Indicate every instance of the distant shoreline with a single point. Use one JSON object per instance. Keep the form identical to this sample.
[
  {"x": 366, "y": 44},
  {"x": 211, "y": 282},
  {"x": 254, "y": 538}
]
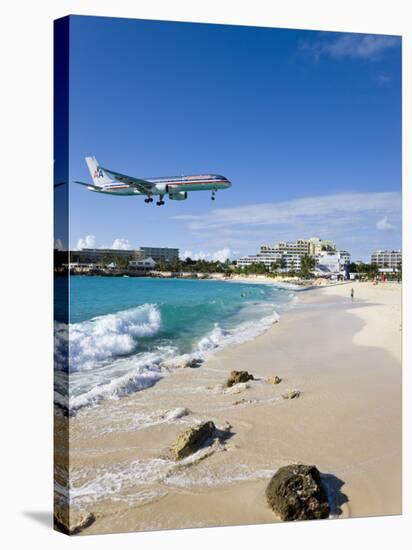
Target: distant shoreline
[{"x": 293, "y": 282}]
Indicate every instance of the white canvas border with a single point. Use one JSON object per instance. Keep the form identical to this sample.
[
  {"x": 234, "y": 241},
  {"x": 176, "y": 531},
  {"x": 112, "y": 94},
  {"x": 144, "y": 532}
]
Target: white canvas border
[{"x": 26, "y": 295}]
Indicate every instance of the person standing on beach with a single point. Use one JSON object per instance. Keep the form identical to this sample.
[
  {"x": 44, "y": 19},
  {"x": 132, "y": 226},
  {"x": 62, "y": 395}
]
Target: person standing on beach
[{"x": 352, "y": 294}]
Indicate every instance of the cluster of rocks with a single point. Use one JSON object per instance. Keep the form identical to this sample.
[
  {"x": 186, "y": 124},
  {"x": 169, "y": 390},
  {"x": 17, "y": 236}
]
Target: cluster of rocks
[
  {"x": 238, "y": 379},
  {"x": 295, "y": 492}
]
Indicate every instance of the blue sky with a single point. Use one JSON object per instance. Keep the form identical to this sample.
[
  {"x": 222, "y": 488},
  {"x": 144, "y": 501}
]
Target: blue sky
[{"x": 307, "y": 126}]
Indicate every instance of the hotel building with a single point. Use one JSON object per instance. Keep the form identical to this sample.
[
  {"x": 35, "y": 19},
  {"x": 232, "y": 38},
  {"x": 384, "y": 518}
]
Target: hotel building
[
  {"x": 288, "y": 254},
  {"x": 386, "y": 258},
  {"x": 98, "y": 255}
]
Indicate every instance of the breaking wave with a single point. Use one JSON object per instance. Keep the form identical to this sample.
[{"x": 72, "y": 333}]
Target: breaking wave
[
  {"x": 106, "y": 360},
  {"x": 105, "y": 337}
]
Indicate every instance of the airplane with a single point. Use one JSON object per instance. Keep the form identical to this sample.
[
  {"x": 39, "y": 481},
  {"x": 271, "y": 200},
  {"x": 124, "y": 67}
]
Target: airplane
[{"x": 177, "y": 187}]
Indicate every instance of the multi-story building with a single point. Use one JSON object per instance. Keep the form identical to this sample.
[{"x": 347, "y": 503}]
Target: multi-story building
[
  {"x": 387, "y": 258},
  {"x": 332, "y": 261},
  {"x": 159, "y": 254},
  {"x": 267, "y": 258},
  {"x": 288, "y": 254},
  {"x": 99, "y": 255},
  {"x": 146, "y": 264},
  {"x": 345, "y": 257}
]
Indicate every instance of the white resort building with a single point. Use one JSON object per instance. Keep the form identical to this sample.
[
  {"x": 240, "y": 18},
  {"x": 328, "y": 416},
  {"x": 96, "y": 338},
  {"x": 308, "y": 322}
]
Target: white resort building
[
  {"x": 287, "y": 255},
  {"x": 387, "y": 259},
  {"x": 147, "y": 264},
  {"x": 332, "y": 262}
]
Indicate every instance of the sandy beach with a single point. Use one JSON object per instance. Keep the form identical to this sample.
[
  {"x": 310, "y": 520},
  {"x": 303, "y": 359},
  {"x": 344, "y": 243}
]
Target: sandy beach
[{"x": 344, "y": 358}]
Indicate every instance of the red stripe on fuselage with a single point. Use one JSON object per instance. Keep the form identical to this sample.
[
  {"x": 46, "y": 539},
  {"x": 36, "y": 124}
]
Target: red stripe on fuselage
[{"x": 195, "y": 182}]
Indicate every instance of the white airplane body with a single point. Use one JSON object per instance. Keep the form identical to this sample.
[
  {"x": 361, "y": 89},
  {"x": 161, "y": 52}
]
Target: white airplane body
[{"x": 110, "y": 182}]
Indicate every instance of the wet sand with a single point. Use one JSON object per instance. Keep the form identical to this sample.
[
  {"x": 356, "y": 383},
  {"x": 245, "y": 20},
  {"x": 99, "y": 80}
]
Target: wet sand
[{"x": 344, "y": 358}]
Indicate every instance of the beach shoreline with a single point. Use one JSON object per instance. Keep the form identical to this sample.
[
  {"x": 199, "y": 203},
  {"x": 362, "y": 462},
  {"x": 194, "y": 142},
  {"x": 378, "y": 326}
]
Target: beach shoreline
[{"x": 343, "y": 357}]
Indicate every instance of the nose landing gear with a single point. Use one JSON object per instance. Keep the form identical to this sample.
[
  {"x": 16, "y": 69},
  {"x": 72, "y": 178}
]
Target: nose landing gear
[
  {"x": 213, "y": 197},
  {"x": 148, "y": 199}
]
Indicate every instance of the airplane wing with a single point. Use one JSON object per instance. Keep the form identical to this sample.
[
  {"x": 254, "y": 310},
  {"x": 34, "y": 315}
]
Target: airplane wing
[{"x": 141, "y": 185}]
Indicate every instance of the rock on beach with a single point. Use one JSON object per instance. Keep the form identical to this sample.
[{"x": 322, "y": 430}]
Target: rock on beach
[
  {"x": 238, "y": 376},
  {"x": 295, "y": 493},
  {"x": 192, "y": 439},
  {"x": 72, "y": 520}
]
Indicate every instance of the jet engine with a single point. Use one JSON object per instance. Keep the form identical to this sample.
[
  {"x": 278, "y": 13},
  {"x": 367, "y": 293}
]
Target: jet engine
[{"x": 178, "y": 196}]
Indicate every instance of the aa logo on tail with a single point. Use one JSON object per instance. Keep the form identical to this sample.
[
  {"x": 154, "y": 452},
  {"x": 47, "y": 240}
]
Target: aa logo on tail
[{"x": 98, "y": 173}]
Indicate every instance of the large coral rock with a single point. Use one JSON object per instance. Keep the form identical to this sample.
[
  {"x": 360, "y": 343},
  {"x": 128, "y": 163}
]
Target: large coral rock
[
  {"x": 72, "y": 520},
  {"x": 192, "y": 439},
  {"x": 295, "y": 493},
  {"x": 237, "y": 376}
]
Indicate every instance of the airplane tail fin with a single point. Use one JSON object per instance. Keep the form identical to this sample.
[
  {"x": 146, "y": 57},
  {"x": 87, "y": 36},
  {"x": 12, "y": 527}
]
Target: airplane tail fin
[{"x": 99, "y": 176}]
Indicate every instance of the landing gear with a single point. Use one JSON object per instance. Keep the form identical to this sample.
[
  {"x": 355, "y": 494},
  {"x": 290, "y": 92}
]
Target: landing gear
[
  {"x": 148, "y": 199},
  {"x": 160, "y": 202},
  {"x": 213, "y": 197}
]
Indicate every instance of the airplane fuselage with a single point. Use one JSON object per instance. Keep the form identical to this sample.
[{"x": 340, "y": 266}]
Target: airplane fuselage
[{"x": 168, "y": 185}]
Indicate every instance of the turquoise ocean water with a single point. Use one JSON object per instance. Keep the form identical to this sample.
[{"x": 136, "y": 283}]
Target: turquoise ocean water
[{"x": 127, "y": 333}]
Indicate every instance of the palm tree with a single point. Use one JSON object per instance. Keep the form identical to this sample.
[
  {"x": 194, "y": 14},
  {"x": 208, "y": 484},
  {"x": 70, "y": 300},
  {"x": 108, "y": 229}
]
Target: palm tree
[{"x": 307, "y": 265}]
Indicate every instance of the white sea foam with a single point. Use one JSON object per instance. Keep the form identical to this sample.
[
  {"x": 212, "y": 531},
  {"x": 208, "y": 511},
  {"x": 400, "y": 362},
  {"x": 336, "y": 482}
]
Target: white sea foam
[
  {"x": 247, "y": 330},
  {"x": 117, "y": 379},
  {"x": 205, "y": 476},
  {"x": 127, "y": 480},
  {"x": 97, "y": 349},
  {"x": 108, "y": 336},
  {"x": 130, "y": 481},
  {"x": 124, "y": 419}
]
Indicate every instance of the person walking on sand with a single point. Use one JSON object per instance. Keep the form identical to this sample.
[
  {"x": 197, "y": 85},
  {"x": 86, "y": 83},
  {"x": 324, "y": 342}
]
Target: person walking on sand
[{"x": 352, "y": 294}]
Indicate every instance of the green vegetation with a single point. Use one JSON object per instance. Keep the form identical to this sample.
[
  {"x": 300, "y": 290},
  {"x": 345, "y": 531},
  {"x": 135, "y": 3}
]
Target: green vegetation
[
  {"x": 253, "y": 269},
  {"x": 371, "y": 271},
  {"x": 366, "y": 271},
  {"x": 277, "y": 266},
  {"x": 194, "y": 266},
  {"x": 307, "y": 265}
]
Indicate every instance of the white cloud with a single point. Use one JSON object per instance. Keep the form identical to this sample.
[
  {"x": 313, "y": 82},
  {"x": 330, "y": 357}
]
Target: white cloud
[
  {"x": 347, "y": 218},
  {"x": 383, "y": 224},
  {"x": 121, "y": 244},
  {"x": 355, "y": 46},
  {"x": 222, "y": 255},
  {"x": 89, "y": 241},
  {"x": 339, "y": 209},
  {"x": 201, "y": 255},
  {"x": 218, "y": 256}
]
